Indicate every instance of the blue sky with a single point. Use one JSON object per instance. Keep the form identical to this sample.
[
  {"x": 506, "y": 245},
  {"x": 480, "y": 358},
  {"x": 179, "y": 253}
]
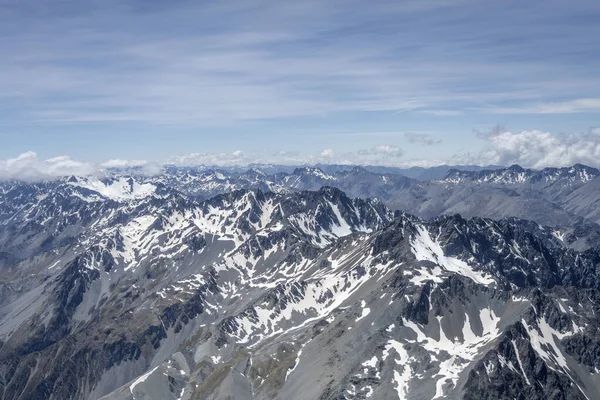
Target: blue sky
[{"x": 385, "y": 82}]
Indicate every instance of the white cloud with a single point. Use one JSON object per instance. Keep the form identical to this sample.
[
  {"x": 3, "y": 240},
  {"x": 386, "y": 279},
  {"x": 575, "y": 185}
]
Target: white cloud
[
  {"x": 117, "y": 163},
  {"x": 377, "y": 155},
  {"x": 537, "y": 149},
  {"x": 214, "y": 159},
  {"x": 327, "y": 153},
  {"x": 140, "y": 167},
  {"x": 384, "y": 155},
  {"x": 394, "y": 151},
  {"x": 532, "y": 148},
  {"x": 28, "y": 166},
  {"x": 382, "y": 150},
  {"x": 286, "y": 153}
]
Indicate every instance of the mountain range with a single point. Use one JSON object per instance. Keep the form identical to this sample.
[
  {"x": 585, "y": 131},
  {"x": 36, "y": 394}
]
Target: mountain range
[
  {"x": 565, "y": 198},
  {"x": 308, "y": 284}
]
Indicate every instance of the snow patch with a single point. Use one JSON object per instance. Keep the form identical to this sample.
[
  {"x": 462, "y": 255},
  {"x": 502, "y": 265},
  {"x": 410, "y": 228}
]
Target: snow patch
[
  {"x": 365, "y": 311},
  {"x": 426, "y": 249},
  {"x": 119, "y": 189}
]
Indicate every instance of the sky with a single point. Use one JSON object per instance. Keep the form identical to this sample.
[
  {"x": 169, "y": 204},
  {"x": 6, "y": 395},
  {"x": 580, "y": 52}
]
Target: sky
[{"x": 227, "y": 82}]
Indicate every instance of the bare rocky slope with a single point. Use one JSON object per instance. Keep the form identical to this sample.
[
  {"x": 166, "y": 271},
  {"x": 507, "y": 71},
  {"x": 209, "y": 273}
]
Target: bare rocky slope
[{"x": 126, "y": 288}]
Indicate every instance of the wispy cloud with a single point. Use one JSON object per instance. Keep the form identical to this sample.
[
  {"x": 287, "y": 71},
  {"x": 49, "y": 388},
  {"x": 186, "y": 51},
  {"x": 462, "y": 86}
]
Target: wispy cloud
[
  {"x": 190, "y": 63},
  {"x": 591, "y": 105},
  {"x": 420, "y": 138},
  {"x": 377, "y": 155},
  {"x": 442, "y": 113},
  {"x": 384, "y": 151}
]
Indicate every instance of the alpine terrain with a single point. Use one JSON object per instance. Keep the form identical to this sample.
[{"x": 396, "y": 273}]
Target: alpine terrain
[{"x": 200, "y": 283}]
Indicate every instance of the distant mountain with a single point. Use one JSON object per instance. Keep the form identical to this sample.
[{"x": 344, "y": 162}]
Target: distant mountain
[
  {"x": 125, "y": 288},
  {"x": 432, "y": 173},
  {"x": 417, "y": 173},
  {"x": 517, "y": 175},
  {"x": 552, "y": 196},
  {"x": 358, "y": 181}
]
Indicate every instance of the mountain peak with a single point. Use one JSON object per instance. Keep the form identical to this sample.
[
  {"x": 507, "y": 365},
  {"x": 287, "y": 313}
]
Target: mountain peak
[
  {"x": 359, "y": 170},
  {"x": 256, "y": 171},
  {"x": 516, "y": 168},
  {"x": 313, "y": 172}
]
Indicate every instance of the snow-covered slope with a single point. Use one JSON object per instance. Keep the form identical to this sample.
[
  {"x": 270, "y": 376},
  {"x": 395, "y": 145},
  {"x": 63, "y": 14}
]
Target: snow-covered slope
[
  {"x": 118, "y": 188},
  {"x": 551, "y": 196},
  {"x": 154, "y": 294}
]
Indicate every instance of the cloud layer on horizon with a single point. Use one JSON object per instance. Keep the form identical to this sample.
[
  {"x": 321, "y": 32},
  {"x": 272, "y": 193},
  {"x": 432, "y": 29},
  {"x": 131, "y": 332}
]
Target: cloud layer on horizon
[
  {"x": 377, "y": 155},
  {"x": 530, "y": 149},
  {"x": 29, "y": 167},
  {"x": 537, "y": 149}
]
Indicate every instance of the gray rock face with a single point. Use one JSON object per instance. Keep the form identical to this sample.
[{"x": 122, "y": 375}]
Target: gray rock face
[
  {"x": 564, "y": 198},
  {"x": 130, "y": 289}
]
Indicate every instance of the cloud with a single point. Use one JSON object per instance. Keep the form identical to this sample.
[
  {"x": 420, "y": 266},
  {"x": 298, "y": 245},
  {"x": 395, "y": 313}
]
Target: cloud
[
  {"x": 530, "y": 148},
  {"x": 237, "y": 158},
  {"x": 327, "y": 153},
  {"x": 420, "y": 138},
  {"x": 494, "y": 131},
  {"x": 442, "y": 113},
  {"x": 382, "y": 150},
  {"x": 109, "y": 64},
  {"x": 393, "y": 151},
  {"x": 589, "y": 105},
  {"x": 537, "y": 149},
  {"x": 138, "y": 167},
  {"x": 286, "y": 153},
  {"x": 28, "y": 166},
  {"x": 377, "y": 155},
  {"x": 117, "y": 163}
]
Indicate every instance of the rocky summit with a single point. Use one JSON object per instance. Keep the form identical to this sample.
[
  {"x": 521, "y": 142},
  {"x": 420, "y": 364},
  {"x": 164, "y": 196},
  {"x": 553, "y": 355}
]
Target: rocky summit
[{"x": 203, "y": 284}]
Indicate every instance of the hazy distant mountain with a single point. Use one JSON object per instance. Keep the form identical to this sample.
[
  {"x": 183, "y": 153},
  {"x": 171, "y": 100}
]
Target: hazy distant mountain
[
  {"x": 552, "y": 196},
  {"x": 430, "y": 173},
  {"x": 418, "y": 173}
]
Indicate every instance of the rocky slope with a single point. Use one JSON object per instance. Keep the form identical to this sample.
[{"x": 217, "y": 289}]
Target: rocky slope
[
  {"x": 120, "y": 289},
  {"x": 553, "y": 196}
]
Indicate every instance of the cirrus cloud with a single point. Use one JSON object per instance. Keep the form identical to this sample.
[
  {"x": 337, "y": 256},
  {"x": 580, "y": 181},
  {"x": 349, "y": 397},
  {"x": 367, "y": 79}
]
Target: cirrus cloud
[{"x": 587, "y": 105}]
